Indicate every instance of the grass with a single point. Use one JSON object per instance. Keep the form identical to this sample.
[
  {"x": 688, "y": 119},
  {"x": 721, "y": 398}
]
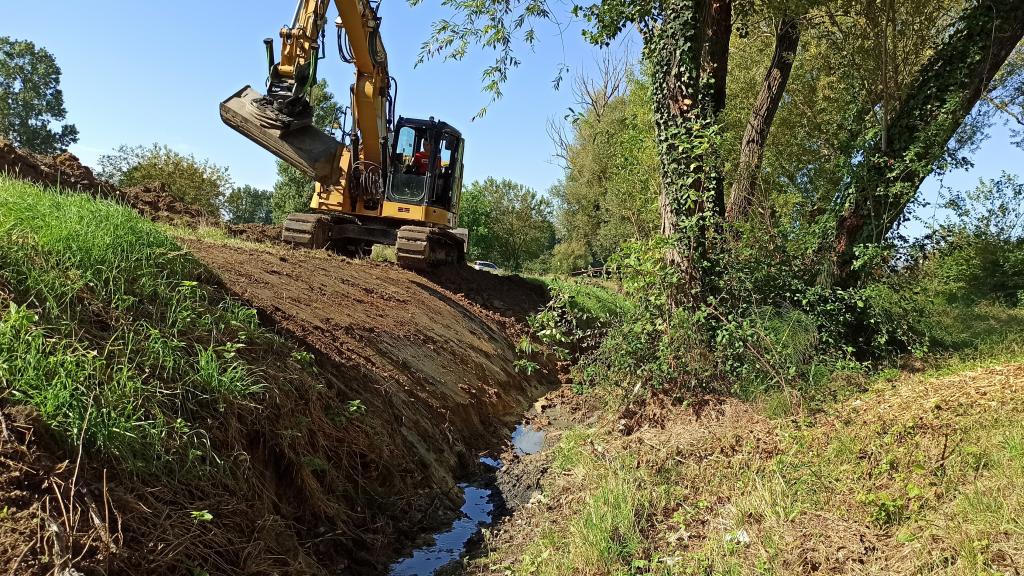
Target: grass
[
  {"x": 383, "y": 253},
  {"x": 108, "y": 329},
  {"x": 920, "y": 475}
]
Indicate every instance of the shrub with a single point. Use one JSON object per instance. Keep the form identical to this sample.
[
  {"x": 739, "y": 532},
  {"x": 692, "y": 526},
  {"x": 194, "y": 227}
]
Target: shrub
[{"x": 197, "y": 182}]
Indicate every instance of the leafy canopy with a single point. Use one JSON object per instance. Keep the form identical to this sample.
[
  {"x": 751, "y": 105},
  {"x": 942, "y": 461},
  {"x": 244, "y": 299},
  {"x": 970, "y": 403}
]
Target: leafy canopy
[
  {"x": 249, "y": 205},
  {"x": 31, "y": 101},
  {"x": 509, "y": 224}
]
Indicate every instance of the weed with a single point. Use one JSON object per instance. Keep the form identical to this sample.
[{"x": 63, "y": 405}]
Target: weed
[
  {"x": 355, "y": 407},
  {"x": 201, "y": 515},
  {"x": 383, "y": 253}
]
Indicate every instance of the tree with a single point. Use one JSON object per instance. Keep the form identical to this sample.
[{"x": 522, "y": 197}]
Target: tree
[
  {"x": 249, "y": 205},
  {"x": 31, "y": 101},
  {"x": 978, "y": 252},
  {"x": 610, "y": 192},
  {"x": 755, "y": 137},
  {"x": 197, "y": 182},
  {"x": 944, "y": 93},
  {"x": 509, "y": 223},
  {"x": 294, "y": 190},
  {"x": 475, "y": 214}
]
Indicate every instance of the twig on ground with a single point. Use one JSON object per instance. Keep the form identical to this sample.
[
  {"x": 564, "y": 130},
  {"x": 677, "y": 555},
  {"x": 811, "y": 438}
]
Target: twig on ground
[{"x": 17, "y": 561}]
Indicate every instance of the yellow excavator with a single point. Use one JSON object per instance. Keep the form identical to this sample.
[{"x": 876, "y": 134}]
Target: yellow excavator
[{"x": 393, "y": 181}]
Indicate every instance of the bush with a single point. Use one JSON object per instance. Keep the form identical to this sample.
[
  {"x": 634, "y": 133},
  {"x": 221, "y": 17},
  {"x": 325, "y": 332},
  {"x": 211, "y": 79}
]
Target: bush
[
  {"x": 762, "y": 330},
  {"x": 197, "y": 182},
  {"x": 978, "y": 253}
]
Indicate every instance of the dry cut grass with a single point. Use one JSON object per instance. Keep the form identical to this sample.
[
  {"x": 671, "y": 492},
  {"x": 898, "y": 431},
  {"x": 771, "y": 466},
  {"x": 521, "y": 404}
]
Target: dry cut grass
[{"x": 921, "y": 475}]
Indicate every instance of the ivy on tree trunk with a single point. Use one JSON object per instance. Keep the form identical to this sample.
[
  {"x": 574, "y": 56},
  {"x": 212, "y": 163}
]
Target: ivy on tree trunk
[
  {"x": 688, "y": 50},
  {"x": 947, "y": 89}
]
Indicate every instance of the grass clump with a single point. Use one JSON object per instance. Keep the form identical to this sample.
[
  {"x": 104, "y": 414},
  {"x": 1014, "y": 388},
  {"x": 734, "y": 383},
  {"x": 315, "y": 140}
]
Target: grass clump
[
  {"x": 603, "y": 532},
  {"x": 109, "y": 329}
]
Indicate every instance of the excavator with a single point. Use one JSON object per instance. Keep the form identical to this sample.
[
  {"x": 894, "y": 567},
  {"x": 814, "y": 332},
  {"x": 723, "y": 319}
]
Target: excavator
[{"x": 391, "y": 181}]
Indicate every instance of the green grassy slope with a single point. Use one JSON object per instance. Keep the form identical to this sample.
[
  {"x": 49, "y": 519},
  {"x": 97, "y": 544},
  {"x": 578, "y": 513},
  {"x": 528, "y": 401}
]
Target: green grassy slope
[{"x": 107, "y": 329}]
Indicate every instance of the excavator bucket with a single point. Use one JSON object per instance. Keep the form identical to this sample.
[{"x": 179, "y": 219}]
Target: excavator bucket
[{"x": 303, "y": 146}]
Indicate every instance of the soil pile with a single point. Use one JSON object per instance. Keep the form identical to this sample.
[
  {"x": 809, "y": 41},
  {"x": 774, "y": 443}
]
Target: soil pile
[
  {"x": 259, "y": 233},
  {"x": 153, "y": 201},
  {"x": 433, "y": 368}
]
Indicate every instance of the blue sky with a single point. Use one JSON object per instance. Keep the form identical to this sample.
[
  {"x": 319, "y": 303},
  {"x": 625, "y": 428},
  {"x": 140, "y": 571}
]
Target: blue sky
[{"x": 143, "y": 72}]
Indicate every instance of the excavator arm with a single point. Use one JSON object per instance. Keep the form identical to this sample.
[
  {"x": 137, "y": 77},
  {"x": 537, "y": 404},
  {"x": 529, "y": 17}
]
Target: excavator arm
[{"x": 282, "y": 120}]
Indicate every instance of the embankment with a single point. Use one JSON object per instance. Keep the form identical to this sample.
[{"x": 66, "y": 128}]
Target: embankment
[{"x": 307, "y": 414}]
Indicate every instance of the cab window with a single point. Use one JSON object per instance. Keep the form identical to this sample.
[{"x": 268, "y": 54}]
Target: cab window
[
  {"x": 409, "y": 180},
  {"x": 449, "y": 152}
]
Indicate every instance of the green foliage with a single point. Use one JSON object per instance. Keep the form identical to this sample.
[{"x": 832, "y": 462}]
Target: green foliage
[
  {"x": 249, "y": 205},
  {"x": 978, "y": 252},
  {"x": 31, "y": 100},
  {"x": 201, "y": 515},
  {"x": 292, "y": 192},
  {"x": 509, "y": 224},
  {"x": 610, "y": 192},
  {"x": 293, "y": 189},
  {"x": 495, "y": 26},
  {"x": 107, "y": 329},
  {"x": 763, "y": 329},
  {"x": 197, "y": 182}
]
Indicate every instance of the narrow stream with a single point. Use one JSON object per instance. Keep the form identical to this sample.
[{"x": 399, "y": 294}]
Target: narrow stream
[{"x": 477, "y": 513}]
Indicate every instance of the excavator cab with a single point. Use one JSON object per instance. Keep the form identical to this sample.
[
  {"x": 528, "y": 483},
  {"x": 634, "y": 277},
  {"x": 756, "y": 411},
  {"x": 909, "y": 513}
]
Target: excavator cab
[{"x": 426, "y": 164}]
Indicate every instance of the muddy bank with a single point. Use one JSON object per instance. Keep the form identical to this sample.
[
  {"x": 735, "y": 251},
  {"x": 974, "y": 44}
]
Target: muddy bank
[
  {"x": 434, "y": 369},
  {"x": 383, "y": 391}
]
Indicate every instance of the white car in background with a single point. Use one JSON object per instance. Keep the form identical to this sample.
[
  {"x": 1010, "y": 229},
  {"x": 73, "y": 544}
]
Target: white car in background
[{"x": 486, "y": 266}]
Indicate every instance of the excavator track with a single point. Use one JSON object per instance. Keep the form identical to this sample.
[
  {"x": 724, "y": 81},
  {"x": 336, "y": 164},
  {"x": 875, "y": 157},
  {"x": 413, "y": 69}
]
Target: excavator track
[
  {"x": 307, "y": 230},
  {"x": 422, "y": 248}
]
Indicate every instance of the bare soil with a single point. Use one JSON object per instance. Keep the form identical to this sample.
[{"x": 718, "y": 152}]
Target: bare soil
[{"x": 428, "y": 359}]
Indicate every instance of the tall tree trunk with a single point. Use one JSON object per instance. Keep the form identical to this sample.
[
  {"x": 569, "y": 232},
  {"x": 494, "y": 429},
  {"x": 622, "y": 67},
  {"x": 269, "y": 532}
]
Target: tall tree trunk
[
  {"x": 755, "y": 138},
  {"x": 689, "y": 50},
  {"x": 949, "y": 85}
]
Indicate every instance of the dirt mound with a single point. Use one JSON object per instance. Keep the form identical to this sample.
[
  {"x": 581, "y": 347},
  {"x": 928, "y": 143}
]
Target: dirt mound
[
  {"x": 433, "y": 368},
  {"x": 510, "y": 295},
  {"x": 259, "y": 233},
  {"x": 65, "y": 170},
  {"x": 156, "y": 202}
]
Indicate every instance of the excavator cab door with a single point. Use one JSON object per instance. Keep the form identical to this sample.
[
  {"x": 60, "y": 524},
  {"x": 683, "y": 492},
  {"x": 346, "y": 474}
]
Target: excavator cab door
[{"x": 426, "y": 164}]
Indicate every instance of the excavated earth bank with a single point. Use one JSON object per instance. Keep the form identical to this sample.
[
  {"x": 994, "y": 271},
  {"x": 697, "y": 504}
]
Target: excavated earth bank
[{"x": 429, "y": 360}]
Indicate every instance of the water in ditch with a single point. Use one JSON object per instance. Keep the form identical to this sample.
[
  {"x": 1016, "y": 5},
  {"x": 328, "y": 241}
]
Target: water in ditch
[{"x": 477, "y": 512}]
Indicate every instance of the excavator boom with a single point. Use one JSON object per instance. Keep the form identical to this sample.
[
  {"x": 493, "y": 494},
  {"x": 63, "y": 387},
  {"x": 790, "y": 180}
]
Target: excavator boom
[
  {"x": 391, "y": 181},
  {"x": 281, "y": 121}
]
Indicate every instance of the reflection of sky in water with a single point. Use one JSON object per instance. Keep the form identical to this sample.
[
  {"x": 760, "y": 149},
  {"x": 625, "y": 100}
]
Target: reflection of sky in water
[
  {"x": 451, "y": 544},
  {"x": 527, "y": 439},
  {"x": 476, "y": 512}
]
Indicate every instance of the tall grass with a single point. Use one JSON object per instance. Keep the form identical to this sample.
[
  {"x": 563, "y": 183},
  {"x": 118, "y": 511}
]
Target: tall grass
[{"x": 108, "y": 329}]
